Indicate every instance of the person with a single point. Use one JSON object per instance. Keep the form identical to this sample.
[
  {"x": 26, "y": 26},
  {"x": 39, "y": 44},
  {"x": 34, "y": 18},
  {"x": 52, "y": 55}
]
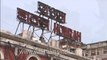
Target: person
[{"x": 42, "y": 39}]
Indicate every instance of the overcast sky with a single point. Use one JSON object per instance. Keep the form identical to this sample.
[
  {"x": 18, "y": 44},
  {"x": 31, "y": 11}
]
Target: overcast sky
[{"x": 87, "y": 16}]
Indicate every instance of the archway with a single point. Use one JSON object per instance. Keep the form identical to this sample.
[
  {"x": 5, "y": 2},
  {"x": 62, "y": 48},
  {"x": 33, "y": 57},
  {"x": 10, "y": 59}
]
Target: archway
[{"x": 33, "y": 58}]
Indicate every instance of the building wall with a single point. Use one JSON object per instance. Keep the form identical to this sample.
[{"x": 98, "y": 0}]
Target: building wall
[{"x": 9, "y": 53}]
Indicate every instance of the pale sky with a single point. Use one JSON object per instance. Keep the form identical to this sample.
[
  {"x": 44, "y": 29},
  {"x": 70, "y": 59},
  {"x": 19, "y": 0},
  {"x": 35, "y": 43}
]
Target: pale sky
[{"x": 87, "y": 16}]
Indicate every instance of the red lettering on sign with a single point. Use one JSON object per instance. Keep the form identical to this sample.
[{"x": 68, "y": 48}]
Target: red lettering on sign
[
  {"x": 32, "y": 19},
  {"x": 67, "y": 32}
]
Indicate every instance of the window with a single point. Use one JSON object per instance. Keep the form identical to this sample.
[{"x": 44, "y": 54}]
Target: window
[
  {"x": 72, "y": 50},
  {"x": 98, "y": 52},
  {"x": 105, "y": 51},
  {"x": 86, "y": 54},
  {"x": 93, "y": 52}
]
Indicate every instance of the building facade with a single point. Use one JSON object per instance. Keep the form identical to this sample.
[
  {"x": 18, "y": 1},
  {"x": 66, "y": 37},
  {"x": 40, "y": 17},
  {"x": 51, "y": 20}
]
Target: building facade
[
  {"x": 15, "y": 47},
  {"x": 96, "y": 51}
]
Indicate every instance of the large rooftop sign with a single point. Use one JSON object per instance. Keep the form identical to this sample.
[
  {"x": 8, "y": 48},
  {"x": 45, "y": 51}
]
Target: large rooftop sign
[
  {"x": 32, "y": 19},
  {"x": 40, "y": 22},
  {"x": 51, "y": 12}
]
